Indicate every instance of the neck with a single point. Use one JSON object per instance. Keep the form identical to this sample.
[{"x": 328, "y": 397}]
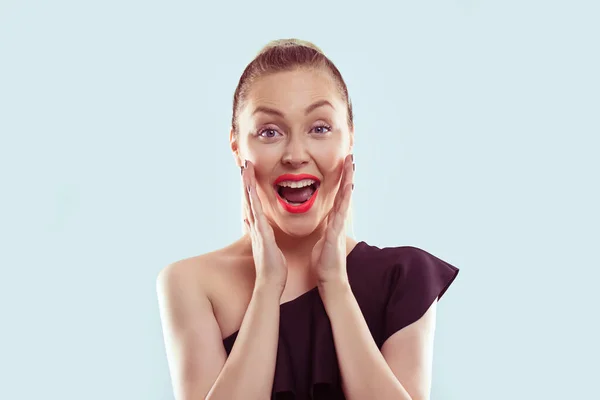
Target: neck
[{"x": 298, "y": 249}]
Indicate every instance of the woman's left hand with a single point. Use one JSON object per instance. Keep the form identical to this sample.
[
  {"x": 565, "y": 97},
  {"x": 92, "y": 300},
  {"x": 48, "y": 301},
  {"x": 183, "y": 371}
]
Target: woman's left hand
[{"x": 328, "y": 258}]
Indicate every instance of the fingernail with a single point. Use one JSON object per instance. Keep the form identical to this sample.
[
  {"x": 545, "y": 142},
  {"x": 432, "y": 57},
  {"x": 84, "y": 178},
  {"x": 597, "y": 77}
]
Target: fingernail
[
  {"x": 353, "y": 167},
  {"x": 241, "y": 170},
  {"x": 245, "y": 163},
  {"x": 352, "y": 157},
  {"x": 353, "y": 186},
  {"x": 248, "y": 188}
]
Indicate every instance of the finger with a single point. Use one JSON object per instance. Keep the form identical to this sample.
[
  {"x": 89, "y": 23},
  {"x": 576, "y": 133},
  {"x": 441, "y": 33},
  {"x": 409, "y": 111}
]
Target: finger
[
  {"x": 247, "y": 206},
  {"x": 347, "y": 189},
  {"x": 340, "y": 212},
  {"x": 347, "y": 170},
  {"x": 261, "y": 225},
  {"x": 345, "y": 204},
  {"x": 255, "y": 204},
  {"x": 330, "y": 215},
  {"x": 248, "y": 227},
  {"x": 331, "y": 218}
]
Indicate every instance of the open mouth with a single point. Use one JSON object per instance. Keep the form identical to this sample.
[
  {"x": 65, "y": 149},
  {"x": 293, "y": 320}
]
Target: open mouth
[{"x": 297, "y": 193}]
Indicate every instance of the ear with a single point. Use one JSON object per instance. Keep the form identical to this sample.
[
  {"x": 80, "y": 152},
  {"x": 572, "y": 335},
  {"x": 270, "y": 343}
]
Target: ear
[{"x": 235, "y": 149}]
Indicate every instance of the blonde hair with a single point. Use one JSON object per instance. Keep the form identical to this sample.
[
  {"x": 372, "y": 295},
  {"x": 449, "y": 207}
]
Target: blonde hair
[
  {"x": 292, "y": 42},
  {"x": 284, "y": 55}
]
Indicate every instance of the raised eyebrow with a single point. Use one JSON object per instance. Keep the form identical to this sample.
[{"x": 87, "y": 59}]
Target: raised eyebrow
[{"x": 308, "y": 110}]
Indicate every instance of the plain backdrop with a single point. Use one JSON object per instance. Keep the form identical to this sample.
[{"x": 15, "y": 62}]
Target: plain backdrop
[{"x": 477, "y": 126}]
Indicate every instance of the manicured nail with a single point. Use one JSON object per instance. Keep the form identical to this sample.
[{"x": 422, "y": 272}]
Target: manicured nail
[
  {"x": 241, "y": 170},
  {"x": 353, "y": 167},
  {"x": 352, "y": 157},
  {"x": 245, "y": 163},
  {"x": 353, "y": 186}
]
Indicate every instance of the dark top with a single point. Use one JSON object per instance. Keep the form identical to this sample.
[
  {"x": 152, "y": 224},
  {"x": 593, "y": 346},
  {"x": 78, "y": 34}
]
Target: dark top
[{"x": 393, "y": 286}]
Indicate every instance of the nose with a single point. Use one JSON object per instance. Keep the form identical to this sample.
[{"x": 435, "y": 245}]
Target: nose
[{"x": 295, "y": 153}]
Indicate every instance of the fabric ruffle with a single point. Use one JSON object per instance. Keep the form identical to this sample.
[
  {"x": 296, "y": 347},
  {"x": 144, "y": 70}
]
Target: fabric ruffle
[{"x": 418, "y": 278}]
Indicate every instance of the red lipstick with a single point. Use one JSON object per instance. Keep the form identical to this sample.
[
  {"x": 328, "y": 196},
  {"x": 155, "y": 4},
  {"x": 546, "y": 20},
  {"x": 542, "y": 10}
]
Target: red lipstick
[{"x": 300, "y": 208}]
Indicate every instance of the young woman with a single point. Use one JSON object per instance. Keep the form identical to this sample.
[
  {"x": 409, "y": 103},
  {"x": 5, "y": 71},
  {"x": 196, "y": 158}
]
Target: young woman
[{"x": 295, "y": 309}]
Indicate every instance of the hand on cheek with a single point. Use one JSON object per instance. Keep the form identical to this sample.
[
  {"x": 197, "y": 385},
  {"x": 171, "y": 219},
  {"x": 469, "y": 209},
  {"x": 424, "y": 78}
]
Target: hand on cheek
[{"x": 328, "y": 258}]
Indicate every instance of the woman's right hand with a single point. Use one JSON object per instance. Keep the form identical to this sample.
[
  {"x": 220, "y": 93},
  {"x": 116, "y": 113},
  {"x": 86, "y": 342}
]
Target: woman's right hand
[{"x": 269, "y": 261}]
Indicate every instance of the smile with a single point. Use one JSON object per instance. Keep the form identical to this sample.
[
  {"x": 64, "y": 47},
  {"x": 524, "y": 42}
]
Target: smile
[{"x": 297, "y": 193}]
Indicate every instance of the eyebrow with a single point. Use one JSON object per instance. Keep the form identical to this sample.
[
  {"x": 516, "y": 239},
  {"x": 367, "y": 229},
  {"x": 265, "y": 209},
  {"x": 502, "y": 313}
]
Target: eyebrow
[{"x": 308, "y": 110}]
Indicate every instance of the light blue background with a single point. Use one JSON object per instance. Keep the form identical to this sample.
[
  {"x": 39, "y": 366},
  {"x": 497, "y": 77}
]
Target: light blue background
[{"x": 477, "y": 128}]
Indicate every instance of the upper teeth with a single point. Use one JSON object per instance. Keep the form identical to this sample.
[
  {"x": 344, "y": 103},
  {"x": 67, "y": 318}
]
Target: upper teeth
[{"x": 297, "y": 184}]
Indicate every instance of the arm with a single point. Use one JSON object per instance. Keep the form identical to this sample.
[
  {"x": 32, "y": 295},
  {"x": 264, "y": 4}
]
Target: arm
[
  {"x": 197, "y": 359},
  {"x": 367, "y": 372},
  {"x": 250, "y": 368}
]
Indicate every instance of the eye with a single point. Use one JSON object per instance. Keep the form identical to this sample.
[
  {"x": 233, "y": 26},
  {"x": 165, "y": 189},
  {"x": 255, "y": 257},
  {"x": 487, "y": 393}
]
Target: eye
[
  {"x": 268, "y": 133},
  {"x": 322, "y": 127}
]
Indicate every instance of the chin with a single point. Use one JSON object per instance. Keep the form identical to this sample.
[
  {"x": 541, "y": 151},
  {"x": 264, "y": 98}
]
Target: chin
[{"x": 300, "y": 227}]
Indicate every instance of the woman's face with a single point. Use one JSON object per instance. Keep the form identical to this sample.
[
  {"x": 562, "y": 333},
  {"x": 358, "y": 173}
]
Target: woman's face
[{"x": 294, "y": 123}]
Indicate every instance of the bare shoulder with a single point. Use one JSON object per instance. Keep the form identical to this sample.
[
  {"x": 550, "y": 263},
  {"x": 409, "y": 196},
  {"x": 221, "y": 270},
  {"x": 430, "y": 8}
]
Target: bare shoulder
[
  {"x": 208, "y": 271},
  {"x": 223, "y": 277},
  {"x": 193, "y": 271},
  {"x": 181, "y": 288},
  {"x": 190, "y": 292}
]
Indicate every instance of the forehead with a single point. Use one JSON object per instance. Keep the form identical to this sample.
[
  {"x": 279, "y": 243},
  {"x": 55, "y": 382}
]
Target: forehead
[{"x": 292, "y": 91}]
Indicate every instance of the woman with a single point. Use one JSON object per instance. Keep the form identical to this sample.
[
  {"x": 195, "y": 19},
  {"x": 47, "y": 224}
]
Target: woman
[{"x": 295, "y": 308}]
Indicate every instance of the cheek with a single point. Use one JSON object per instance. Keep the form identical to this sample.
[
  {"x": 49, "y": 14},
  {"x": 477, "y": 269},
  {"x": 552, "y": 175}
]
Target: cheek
[
  {"x": 264, "y": 163},
  {"x": 263, "y": 158},
  {"x": 331, "y": 169},
  {"x": 329, "y": 157},
  {"x": 261, "y": 153}
]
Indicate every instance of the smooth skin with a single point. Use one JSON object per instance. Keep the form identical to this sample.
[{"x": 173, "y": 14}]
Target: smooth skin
[{"x": 205, "y": 299}]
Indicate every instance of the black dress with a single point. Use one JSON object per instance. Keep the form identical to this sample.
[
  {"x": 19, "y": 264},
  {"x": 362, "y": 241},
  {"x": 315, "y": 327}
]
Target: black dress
[{"x": 394, "y": 287}]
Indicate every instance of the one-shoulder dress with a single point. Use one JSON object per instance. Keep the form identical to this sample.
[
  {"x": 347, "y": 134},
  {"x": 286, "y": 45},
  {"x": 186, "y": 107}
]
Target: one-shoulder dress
[{"x": 394, "y": 287}]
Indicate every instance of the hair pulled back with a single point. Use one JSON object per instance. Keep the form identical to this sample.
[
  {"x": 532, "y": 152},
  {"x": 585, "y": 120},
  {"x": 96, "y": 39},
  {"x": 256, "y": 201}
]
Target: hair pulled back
[{"x": 286, "y": 55}]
